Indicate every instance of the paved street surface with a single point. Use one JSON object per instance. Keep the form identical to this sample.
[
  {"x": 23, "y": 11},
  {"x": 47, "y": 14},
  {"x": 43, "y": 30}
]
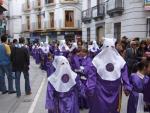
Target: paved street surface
[{"x": 36, "y": 102}]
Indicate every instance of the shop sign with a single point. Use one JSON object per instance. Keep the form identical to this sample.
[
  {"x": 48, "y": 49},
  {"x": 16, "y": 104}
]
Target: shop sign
[{"x": 146, "y": 4}]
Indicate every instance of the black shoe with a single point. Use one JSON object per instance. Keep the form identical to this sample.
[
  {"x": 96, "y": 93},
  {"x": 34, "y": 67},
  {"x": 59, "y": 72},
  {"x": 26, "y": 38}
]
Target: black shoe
[
  {"x": 4, "y": 92},
  {"x": 11, "y": 92},
  {"x": 18, "y": 96},
  {"x": 29, "y": 93}
]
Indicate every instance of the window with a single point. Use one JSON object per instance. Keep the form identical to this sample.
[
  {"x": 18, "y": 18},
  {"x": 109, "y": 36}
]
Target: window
[
  {"x": 117, "y": 30},
  {"x": 148, "y": 27},
  {"x": 28, "y": 22},
  {"x": 88, "y": 35},
  {"x": 69, "y": 18},
  {"x": 68, "y": 1},
  {"x": 100, "y": 1},
  {"x": 39, "y": 2},
  {"x": 28, "y": 4},
  {"x": 39, "y": 21},
  {"x": 100, "y": 31},
  {"x": 89, "y": 4},
  {"x": 49, "y": 1},
  {"x": 51, "y": 19}
]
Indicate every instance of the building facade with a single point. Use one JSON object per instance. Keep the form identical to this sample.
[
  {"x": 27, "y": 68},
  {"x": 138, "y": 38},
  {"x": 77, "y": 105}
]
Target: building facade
[
  {"x": 3, "y": 17},
  {"x": 15, "y": 18},
  {"x": 114, "y": 18},
  {"x": 47, "y": 20}
]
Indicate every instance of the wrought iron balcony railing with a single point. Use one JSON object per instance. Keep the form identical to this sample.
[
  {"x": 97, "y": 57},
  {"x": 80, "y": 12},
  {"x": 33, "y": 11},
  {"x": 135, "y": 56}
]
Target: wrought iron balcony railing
[
  {"x": 115, "y": 7},
  {"x": 87, "y": 15},
  {"x": 98, "y": 11}
]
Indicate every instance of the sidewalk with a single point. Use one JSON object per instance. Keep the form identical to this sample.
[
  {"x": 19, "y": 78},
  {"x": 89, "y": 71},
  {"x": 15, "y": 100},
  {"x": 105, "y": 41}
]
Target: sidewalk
[{"x": 11, "y": 104}]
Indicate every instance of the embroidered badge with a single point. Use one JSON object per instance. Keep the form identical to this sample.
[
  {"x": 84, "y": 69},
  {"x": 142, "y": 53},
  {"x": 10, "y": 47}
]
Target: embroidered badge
[
  {"x": 65, "y": 78},
  {"x": 109, "y": 67}
]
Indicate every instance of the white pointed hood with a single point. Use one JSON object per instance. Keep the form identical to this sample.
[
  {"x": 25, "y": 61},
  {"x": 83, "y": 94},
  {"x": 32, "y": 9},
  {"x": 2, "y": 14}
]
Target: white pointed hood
[
  {"x": 63, "y": 79},
  {"x": 94, "y": 47},
  {"x": 63, "y": 46},
  {"x": 109, "y": 62}
]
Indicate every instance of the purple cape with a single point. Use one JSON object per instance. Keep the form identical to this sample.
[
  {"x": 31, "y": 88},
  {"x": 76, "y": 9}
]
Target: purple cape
[
  {"x": 57, "y": 102},
  {"x": 104, "y": 95}
]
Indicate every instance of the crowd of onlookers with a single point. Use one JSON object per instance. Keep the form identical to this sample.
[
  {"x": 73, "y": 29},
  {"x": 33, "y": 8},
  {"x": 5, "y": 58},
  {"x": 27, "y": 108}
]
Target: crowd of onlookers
[
  {"x": 14, "y": 59},
  {"x": 133, "y": 51}
]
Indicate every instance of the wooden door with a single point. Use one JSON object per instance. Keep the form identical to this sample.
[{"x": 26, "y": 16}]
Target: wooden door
[{"x": 69, "y": 18}]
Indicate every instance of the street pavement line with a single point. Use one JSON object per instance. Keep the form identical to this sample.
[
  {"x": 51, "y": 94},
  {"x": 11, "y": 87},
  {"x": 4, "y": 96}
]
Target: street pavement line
[{"x": 31, "y": 110}]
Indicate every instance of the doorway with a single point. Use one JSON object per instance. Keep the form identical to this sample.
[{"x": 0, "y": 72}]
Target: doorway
[{"x": 117, "y": 30}]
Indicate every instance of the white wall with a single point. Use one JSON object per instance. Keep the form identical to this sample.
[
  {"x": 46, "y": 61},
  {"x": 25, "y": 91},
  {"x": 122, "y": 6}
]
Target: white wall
[
  {"x": 15, "y": 21},
  {"x": 133, "y": 21},
  {"x": 59, "y": 12}
]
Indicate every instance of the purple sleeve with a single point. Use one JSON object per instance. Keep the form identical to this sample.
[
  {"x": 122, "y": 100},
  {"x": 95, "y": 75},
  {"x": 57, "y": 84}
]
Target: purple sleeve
[
  {"x": 91, "y": 79},
  {"x": 49, "y": 98},
  {"x": 125, "y": 78},
  {"x": 80, "y": 86},
  {"x": 77, "y": 62}
]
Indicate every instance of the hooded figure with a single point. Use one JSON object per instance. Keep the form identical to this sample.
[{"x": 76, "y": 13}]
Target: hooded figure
[
  {"x": 45, "y": 48},
  {"x": 44, "y": 55},
  {"x": 63, "y": 48},
  {"x": 73, "y": 47},
  {"x": 63, "y": 88},
  {"x": 104, "y": 89},
  {"x": 94, "y": 49}
]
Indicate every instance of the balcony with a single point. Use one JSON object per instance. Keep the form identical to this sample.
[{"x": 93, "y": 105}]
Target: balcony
[
  {"x": 47, "y": 4},
  {"x": 37, "y": 4},
  {"x": 115, "y": 7},
  {"x": 49, "y": 26},
  {"x": 87, "y": 15},
  {"x": 26, "y": 28},
  {"x": 26, "y": 7},
  {"x": 67, "y": 26},
  {"x": 69, "y": 1},
  {"x": 37, "y": 26},
  {"x": 98, "y": 11}
]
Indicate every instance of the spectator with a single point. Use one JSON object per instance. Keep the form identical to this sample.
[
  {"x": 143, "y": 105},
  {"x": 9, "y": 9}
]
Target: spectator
[
  {"x": 5, "y": 67},
  {"x": 20, "y": 61},
  {"x": 119, "y": 48},
  {"x": 141, "y": 51},
  {"x": 131, "y": 55}
]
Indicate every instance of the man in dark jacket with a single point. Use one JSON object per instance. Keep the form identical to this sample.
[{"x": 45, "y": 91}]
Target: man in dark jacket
[{"x": 20, "y": 63}]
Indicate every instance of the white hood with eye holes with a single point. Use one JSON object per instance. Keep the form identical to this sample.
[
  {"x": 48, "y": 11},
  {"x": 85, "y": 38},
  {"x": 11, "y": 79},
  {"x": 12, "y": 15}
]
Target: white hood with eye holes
[
  {"x": 94, "y": 47},
  {"x": 63, "y": 79},
  {"x": 109, "y": 62}
]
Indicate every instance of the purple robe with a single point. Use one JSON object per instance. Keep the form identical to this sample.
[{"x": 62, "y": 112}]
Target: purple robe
[
  {"x": 93, "y": 54},
  {"x": 85, "y": 62},
  {"x": 37, "y": 56},
  {"x": 57, "y": 102},
  {"x": 104, "y": 95},
  {"x": 56, "y": 52},
  {"x": 50, "y": 68},
  {"x": 138, "y": 87},
  {"x": 147, "y": 92},
  {"x": 75, "y": 62},
  {"x": 64, "y": 53},
  {"x": 34, "y": 53},
  {"x": 45, "y": 61}
]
